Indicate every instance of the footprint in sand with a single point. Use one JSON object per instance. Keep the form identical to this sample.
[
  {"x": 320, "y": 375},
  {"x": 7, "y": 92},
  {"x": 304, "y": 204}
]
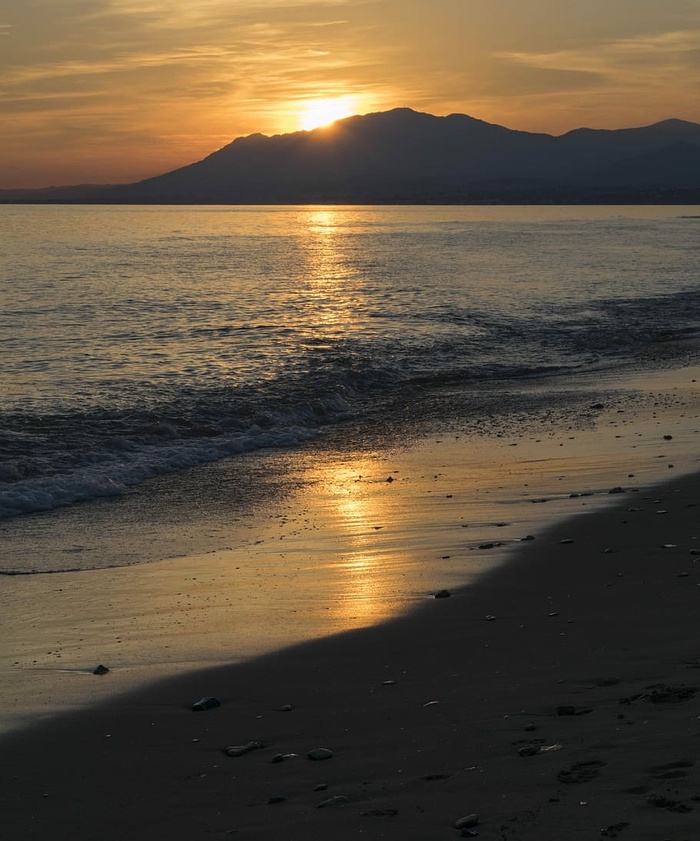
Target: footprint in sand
[
  {"x": 581, "y": 772},
  {"x": 671, "y": 770}
]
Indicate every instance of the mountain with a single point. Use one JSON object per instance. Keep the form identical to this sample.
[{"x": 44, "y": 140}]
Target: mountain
[{"x": 404, "y": 156}]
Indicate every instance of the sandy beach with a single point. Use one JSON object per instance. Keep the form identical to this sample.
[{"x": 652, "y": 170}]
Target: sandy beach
[{"x": 551, "y": 695}]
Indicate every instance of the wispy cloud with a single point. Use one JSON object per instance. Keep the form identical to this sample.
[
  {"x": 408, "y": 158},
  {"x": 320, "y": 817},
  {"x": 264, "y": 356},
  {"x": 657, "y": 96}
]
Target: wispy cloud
[{"x": 620, "y": 57}]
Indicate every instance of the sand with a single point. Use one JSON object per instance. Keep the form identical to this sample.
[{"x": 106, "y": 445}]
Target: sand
[{"x": 578, "y": 646}]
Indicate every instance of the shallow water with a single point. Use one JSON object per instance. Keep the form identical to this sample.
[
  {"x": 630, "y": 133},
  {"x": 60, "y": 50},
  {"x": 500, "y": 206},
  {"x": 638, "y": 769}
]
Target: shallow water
[{"x": 139, "y": 342}]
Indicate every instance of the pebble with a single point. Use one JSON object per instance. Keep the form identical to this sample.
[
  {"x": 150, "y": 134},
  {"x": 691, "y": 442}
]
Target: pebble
[
  {"x": 100, "y": 670},
  {"x": 467, "y": 822},
  {"x": 318, "y": 754},
  {"x": 529, "y": 750},
  {"x": 527, "y": 537},
  {"x": 338, "y": 800},
  {"x": 209, "y": 702},
  {"x": 321, "y": 787},
  {"x": 443, "y": 594},
  {"x": 616, "y": 490},
  {"x": 489, "y": 617},
  {"x": 239, "y": 750},
  {"x": 285, "y": 708}
]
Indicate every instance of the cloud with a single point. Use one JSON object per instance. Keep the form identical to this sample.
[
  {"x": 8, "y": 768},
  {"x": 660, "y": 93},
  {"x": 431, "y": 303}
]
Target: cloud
[{"x": 618, "y": 58}]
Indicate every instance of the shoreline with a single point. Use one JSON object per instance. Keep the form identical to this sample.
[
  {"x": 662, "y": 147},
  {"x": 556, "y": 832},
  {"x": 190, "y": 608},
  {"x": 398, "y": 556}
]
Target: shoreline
[
  {"x": 347, "y": 548},
  {"x": 426, "y": 715}
]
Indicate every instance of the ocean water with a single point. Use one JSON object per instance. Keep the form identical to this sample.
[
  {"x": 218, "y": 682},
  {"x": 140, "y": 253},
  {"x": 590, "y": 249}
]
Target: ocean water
[{"x": 137, "y": 342}]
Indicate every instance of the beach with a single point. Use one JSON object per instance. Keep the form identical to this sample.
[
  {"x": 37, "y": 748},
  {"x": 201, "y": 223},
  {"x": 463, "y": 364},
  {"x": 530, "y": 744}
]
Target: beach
[{"x": 550, "y": 695}]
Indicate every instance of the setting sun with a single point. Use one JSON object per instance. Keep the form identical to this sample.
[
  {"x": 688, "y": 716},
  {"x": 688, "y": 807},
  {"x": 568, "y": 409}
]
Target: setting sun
[{"x": 321, "y": 112}]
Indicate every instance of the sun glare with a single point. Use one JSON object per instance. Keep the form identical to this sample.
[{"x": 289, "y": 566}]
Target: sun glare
[{"x": 321, "y": 112}]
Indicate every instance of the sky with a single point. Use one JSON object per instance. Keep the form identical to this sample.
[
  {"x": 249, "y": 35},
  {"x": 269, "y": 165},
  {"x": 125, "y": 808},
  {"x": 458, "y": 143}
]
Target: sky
[{"x": 109, "y": 91}]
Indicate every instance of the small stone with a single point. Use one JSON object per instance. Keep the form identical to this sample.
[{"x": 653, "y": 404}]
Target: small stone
[
  {"x": 529, "y": 750},
  {"x": 668, "y": 437},
  {"x": 467, "y": 822},
  {"x": 616, "y": 490},
  {"x": 239, "y": 750},
  {"x": 566, "y": 540},
  {"x": 338, "y": 800},
  {"x": 443, "y": 594},
  {"x": 390, "y": 479},
  {"x": 100, "y": 670},
  {"x": 285, "y": 708},
  {"x": 209, "y": 702},
  {"x": 489, "y": 617},
  {"x": 530, "y": 728},
  {"x": 527, "y": 537},
  {"x": 388, "y": 682},
  {"x": 317, "y": 754},
  {"x": 278, "y": 757},
  {"x": 321, "y": 787}
]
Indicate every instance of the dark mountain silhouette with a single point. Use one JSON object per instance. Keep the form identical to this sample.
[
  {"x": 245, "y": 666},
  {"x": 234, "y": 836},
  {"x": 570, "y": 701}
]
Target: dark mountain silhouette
[{"x": 403, "y": 156}]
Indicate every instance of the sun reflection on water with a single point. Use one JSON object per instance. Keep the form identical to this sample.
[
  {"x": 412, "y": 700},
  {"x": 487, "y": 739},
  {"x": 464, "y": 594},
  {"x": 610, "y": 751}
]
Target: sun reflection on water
[{"x": 362, "y": 516}]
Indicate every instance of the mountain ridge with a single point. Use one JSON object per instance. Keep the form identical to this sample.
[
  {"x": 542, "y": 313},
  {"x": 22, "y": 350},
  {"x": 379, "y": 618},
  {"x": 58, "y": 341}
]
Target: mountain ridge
[{"x": 407, "y": 156}]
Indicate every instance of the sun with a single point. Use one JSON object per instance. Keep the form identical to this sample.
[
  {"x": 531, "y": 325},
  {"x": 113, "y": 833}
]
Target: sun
[{"x": 321, "y": 112}]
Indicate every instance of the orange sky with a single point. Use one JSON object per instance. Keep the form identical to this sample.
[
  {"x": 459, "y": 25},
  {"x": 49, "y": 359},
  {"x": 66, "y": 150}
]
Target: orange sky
[{"x": 117, "y": 90}]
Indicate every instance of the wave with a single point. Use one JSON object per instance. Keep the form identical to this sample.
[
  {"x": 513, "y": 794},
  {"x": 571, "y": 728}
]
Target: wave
[{"x": 56, "y": 458}]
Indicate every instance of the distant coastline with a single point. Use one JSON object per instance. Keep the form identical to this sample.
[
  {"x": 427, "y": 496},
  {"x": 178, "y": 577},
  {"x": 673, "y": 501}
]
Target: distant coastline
[{"x": 404, "y": 157}]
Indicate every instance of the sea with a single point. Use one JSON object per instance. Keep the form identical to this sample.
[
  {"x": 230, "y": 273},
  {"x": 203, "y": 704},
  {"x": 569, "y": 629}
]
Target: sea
[{"x": 145, "y": 343}]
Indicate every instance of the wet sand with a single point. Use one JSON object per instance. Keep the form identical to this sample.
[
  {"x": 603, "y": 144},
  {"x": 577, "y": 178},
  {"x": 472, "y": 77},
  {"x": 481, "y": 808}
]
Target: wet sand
[{"x": 426, "y": 714}]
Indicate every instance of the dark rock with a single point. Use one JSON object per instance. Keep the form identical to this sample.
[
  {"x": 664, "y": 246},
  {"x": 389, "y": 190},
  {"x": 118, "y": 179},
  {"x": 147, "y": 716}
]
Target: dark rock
[
  {"x": 321, "y": 787},
  {"x": 100, "y": 670},
  {"x": 616, "y": 490},
  {"x": 467, "y": 822},
  {"x": 443, "y": 594},
  {"x": 209, "y": 702},
  {"x": 239, "y": 750},
  {"x": 318, "y": 754},
  {"x": 612, "y": 830},
  {"x": 529, "y": 750},
  {"x": 338, "y": 800}
]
